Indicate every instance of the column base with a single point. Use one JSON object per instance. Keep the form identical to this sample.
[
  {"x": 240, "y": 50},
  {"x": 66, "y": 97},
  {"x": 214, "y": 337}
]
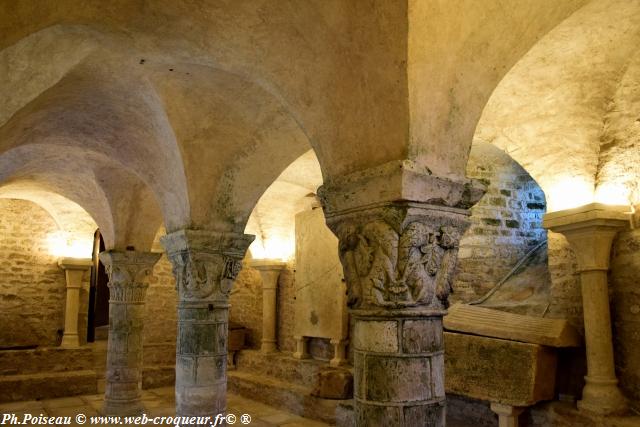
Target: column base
[
  {"x": 602, "y": 397},
  {"x": 70, "y": 341},
  {"x": 302, "y": 348},
  {"x": 507, "y": 414},
  {"x": 268, "y": 346},
  {"x": 339, "y": 353},
  {"x": 122, "y": 407}
]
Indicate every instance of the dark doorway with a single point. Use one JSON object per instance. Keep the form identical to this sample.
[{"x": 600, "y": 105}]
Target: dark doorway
[{"x": 98, "y": 292}]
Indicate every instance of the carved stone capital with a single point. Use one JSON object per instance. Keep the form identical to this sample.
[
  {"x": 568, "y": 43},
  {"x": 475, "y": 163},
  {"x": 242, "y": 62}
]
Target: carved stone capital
[
  {"x": 127, "y": 273},
  {"x": 205, "y": 263},
  {"x": 399, "y": 255}
]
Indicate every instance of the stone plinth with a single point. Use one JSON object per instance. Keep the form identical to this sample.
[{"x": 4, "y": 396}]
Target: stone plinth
[
  {"x": 269, "y": 271},
  {"x": 74, "y": 269},
  {"x": 590, "y": 230},
  {"x": 127, "y": 272}
]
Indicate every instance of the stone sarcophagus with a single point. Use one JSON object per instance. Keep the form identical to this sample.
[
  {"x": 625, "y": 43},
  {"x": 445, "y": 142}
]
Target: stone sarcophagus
[{"x": 508, "y": 359}]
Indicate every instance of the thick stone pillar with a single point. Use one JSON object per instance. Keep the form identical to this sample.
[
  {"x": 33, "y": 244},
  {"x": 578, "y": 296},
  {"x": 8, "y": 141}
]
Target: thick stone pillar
[
  {"x": 127, "y": 272},
  {"x": 74, "y": 270},
  {"x": 270, "y": 272},
  {"x": 205, "y": 264},
  {"x": 590, "y": 231},
  {"x": 398, "y": 258}
]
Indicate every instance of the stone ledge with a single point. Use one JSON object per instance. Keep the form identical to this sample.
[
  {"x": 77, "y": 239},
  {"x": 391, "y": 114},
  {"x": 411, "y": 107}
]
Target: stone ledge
[{"x": 292, "y": 397}]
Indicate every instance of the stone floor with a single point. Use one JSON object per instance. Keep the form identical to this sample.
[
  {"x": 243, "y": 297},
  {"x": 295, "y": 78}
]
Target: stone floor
[{"x": 158, "y": 402}]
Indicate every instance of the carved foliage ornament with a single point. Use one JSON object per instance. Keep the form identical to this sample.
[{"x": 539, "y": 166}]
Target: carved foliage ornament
[
  {"x": 127, "y": 273},
  {"x": 202, "y": 275},
  {"x": 385, "y": 268}
]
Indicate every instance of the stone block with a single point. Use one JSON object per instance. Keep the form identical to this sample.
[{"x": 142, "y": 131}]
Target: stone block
[
  {"x": 397, "y": 379},
  {"x": 376, "y": 336},
  {"x": 500, "y": 324},
  {"x": 422, "y": 336},
  {"x": 425, "y": 415},
  {"x": 334, "y": 384},
  {"x": 320, "y": 298},
  {"x": 210, "y": 369},
  {"x": 509, "y": 372}
]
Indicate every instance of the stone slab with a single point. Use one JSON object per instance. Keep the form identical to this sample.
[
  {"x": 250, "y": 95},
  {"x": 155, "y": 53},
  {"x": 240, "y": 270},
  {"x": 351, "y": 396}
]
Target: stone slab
[
  {"x": 508, "y": 372},
  {"x": 516, "y": 327},
  {"x": 320, "y": 300}
]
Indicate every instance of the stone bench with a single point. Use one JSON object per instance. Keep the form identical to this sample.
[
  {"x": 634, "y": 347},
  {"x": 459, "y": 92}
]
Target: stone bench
[{"x": 507, "y": 359}]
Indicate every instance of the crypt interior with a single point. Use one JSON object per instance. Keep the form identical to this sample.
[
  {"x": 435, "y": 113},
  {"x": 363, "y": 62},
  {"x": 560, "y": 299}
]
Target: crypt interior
[{"x": 347, "y": 212}]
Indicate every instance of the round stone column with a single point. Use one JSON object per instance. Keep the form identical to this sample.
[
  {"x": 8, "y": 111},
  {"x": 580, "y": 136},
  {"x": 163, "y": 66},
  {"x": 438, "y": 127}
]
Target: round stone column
[
  {"x": 590, "y": 231},
  {"x": 270, "y": 272},
  {"x": 205, "y": 264},
  {"x": 74, "y": 270},
  {"x": 398, "y": 260},
  {"x": 399, "y": 367},
  {"x": 127, "y": 290}
]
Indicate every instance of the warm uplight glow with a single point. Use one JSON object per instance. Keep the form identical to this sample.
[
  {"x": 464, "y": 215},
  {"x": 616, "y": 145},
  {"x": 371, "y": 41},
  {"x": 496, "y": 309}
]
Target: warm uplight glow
[
  {"x": 62, "y": 244},
  {"x": 273, "y": 248},
  {"x": 612, "y": 194},
  {"x": 569, "y": 193}
]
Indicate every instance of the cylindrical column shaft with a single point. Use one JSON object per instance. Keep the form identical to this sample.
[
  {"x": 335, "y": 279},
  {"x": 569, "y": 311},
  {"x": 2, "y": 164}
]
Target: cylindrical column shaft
[
  {"x": 124, "y": 358},
  {"x": 74, "y": 269},
  {"x": 70, "y": 338},
  {"x": 399, "y": 369},
  {"x": 269, "y": 342},
  {"x": 205, "y": 264},
  {"x": 601, "y": 393},
  {"x": 201, "y": 358},
  {"x": 270, "y": 272},
  {"x": 127, "y": 291},
  {"x": 597, "y": 325}
]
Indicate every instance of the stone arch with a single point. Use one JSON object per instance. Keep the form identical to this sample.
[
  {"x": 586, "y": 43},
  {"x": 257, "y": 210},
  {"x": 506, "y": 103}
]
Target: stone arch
[
  {"x": 121, "y": 205},
  {"x": 76, "y": 225},
  {"x": 547, "y": 112},
  {"x": 506, "y": 225}
]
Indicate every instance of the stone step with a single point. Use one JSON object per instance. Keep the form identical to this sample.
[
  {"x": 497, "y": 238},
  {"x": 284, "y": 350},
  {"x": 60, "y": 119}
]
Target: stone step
[
  {"x": 280, "y": 366},
  {"x": 15, "y": 388},
  {"x": 281, "y": 394}
]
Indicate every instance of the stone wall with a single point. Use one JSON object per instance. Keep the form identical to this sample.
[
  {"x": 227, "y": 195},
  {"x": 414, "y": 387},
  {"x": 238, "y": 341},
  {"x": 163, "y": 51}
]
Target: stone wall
[
  {"x": 505, "y": 224},
  {"x": 160, "y": 322},
  {"x": 161, "y": 307},
  {"x": 625, "y": 270},
  {"x": 246, "y": 306},
  {"x": 32, "y": 286}
]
